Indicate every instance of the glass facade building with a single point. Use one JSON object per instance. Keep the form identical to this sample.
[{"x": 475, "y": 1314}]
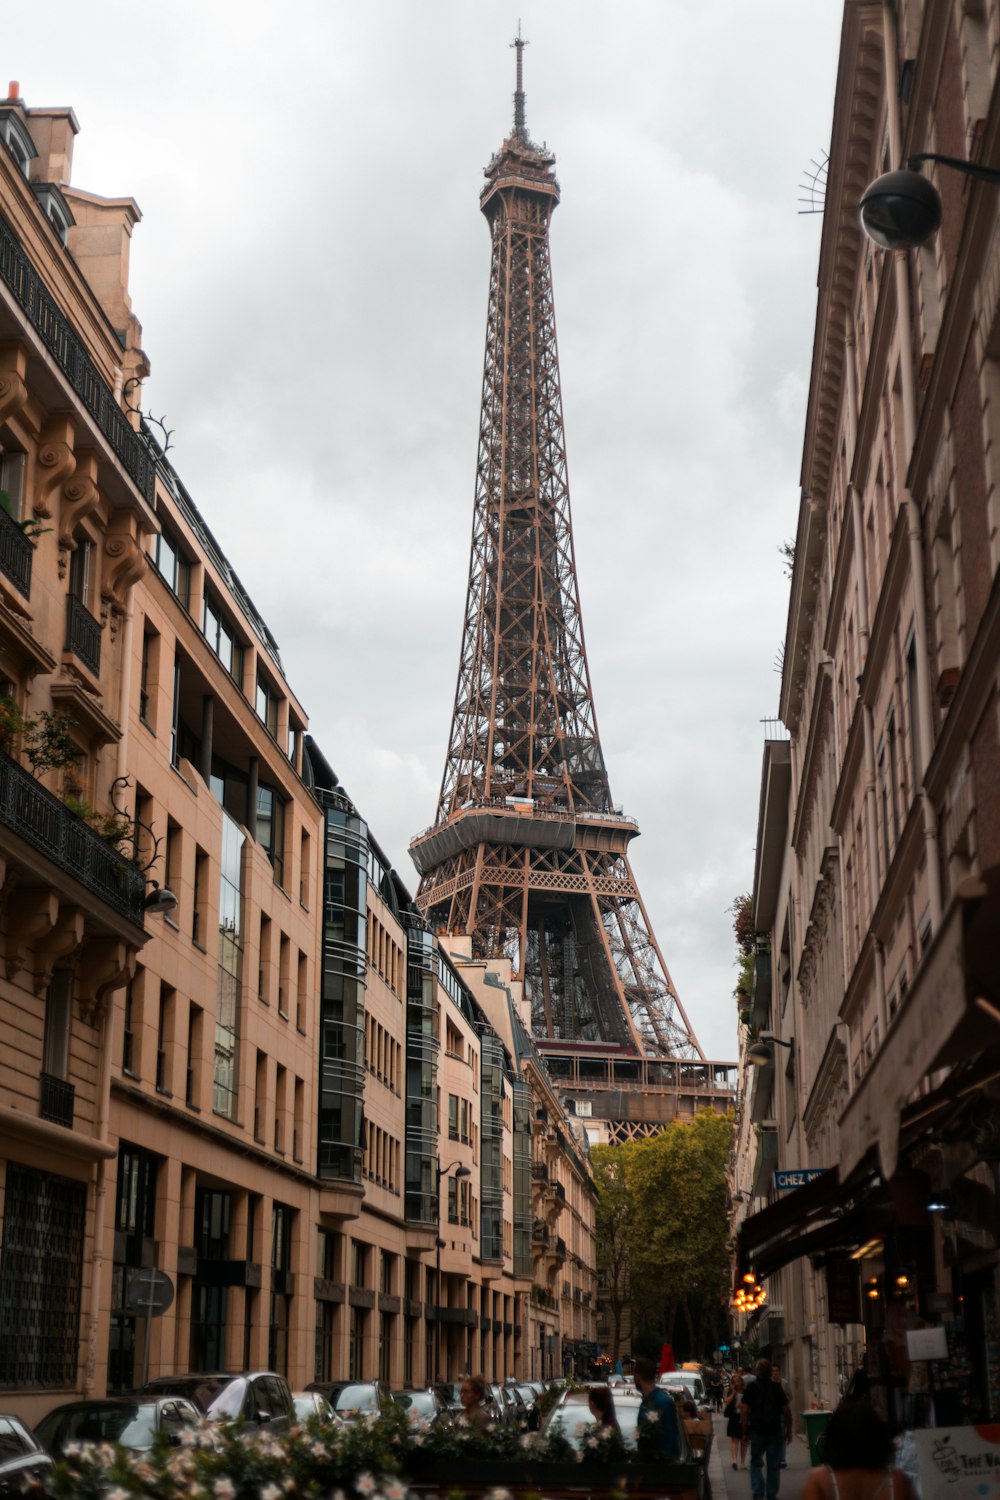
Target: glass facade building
[
  {"x": 341, "y": 1122},
  {"x": 421, "y": 1199}
]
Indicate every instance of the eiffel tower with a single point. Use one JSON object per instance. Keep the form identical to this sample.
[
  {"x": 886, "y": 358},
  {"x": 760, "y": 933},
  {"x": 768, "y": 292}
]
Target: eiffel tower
[{"x": 528, "y": 853}]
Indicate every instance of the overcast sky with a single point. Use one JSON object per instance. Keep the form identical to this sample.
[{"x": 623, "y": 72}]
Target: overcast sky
[{"x": 311, "y": 274}]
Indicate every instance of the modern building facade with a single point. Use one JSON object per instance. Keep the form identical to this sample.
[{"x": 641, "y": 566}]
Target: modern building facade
[
  {"x": 234, "y": 1051},
  {"x": 878, "y": 854}
]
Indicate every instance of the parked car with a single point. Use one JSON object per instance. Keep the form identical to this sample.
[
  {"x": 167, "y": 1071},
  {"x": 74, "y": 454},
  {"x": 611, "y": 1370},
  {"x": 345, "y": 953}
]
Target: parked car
[
  {"x": 686, "y": 1383},
  {"x": 425, "y": 1407},
  {"x": 22, "y": 1458},
  {"x": 131, "y": 1421},
  {"x": 310, "y": 1405},
  {"x": 351, "y": 1399},
  {"x": 529, "y": 1392},
  {"x": 258, "y": 1398}
]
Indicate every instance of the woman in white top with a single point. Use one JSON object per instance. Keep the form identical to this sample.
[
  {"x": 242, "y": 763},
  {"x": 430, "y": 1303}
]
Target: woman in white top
[{"x": 858, "y": 1451}]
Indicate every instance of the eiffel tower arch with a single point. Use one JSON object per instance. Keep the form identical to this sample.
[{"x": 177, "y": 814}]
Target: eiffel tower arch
[{"x": 528, "y": 854}]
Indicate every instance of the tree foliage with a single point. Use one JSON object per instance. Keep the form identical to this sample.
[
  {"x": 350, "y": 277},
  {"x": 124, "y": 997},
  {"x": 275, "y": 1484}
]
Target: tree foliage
[{"x": 661, "y": 1235}]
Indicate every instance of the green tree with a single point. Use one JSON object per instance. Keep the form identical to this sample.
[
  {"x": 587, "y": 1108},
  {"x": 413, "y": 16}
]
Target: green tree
[
  {"x": 745, "y": 936},
  {"x": 614, "y": 1212},
  {"x": 665, "y": 1200}
]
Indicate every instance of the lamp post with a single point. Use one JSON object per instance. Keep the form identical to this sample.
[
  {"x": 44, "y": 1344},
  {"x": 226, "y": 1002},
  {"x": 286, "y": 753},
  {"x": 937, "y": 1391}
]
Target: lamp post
[
  {"x": 462, "y": 1171},
  {"x": 901, "y": 210},
  {"x": 761, "y": 1053}
]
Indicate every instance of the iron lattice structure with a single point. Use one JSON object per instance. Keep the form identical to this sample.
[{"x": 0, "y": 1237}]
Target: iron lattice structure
[{"x": 528, "y": 853}]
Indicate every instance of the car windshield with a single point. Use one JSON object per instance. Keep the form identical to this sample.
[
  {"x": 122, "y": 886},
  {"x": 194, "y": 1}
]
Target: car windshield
[
  {"x": 421, "y": 1402},
  {"x": 679, "y": 1380},
  {"x": 227, "y": 1406},
  {"x": 451, "y": 1391},
  {"x": 356, "y": 1398},
  {"x": 573, "y": 1417}
]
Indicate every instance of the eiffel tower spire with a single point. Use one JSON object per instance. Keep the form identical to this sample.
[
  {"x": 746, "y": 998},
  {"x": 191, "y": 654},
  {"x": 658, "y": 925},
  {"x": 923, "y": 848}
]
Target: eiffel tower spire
[{"x": 528, "y": 853}]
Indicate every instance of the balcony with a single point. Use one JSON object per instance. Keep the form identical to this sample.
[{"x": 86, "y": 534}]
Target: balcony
[
  {"x": 32, "y": 812},
  {"x": 66, "y": 348},
  {"x": 83, "y": 634},
  {"x": 15, "y": 554},
  {"x": 56, "y": 1101}
]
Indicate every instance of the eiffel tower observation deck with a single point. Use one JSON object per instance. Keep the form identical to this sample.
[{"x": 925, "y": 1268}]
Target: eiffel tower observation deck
[{"x": 528, "y": 854}]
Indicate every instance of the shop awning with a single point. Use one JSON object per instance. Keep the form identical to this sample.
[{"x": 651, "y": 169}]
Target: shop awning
[
  {"x": 806, "y": 1221},
  {"x": 939, "y": 1025}
]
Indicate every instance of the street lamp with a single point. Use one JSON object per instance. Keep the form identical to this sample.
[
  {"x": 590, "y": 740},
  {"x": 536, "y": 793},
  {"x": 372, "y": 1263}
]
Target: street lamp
[
  {"x": 761, "y": 1053},
  {"x": 901, "y": 210},
  {"x": 462, "y": 1171}
]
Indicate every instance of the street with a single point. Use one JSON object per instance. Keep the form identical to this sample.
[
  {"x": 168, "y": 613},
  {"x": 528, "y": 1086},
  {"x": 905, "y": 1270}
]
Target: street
[{"x": 728, "y": 1484}]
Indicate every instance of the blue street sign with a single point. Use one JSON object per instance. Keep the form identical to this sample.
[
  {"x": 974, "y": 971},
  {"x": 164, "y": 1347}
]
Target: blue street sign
[{"x": 794, "y": 1177}]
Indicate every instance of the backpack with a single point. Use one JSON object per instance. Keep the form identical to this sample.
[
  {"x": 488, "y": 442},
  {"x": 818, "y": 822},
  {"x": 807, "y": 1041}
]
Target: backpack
[{"x": 765, "y": 1414}]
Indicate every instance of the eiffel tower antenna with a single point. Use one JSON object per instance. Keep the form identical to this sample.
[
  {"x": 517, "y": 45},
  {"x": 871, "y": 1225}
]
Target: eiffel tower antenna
[
  {"x": 519, "y": 43},
  {"x": 528, "y": 854}
]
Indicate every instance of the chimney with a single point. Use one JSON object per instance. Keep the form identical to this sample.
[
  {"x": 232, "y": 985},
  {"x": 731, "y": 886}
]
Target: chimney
[
  {"x": 52, "y": 131},
  {"x": 13, "y": 92}
]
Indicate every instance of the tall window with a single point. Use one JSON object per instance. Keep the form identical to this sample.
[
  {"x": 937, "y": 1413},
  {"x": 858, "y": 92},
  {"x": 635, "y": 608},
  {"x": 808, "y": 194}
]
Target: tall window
[
  {"x": 267, "y": 704},
  {"x": 220, "y": 636},
  {"x": 281, "y": 1264},
  {"x": 230, "y": 968},
  {"x": 172, "y": 566},
  {"x": 148, "y": 678},
  {"x": 41, "y": 1269},
  {"x": 271, "y": 829}
]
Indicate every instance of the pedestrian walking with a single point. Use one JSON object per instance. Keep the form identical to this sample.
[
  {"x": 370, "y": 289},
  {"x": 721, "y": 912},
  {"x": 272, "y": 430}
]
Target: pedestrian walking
[
  {"x": 766, "y": 1418},
  {"x": 657, "y": 1407},
  {"x": 715, "y": 1389},
  {"x": 859, "y": 1450},
  {"x": 738, "y": 1441}
]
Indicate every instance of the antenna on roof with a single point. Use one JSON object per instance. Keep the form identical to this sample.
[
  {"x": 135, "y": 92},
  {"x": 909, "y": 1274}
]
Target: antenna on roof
[
  {"x": 519, "y": 43},
  {"x": 814, "y": 187}
]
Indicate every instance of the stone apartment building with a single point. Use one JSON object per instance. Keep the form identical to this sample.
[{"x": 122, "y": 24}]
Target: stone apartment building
[
  {"x": 876, "y": 1013},
  {"x": 233, "y": 1051}
]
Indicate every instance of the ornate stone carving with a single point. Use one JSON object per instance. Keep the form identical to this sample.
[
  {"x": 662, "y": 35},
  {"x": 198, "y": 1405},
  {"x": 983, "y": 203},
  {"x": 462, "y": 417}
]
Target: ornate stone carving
[
  {"x": 126, "y": 564},
  {"x": 80, "y": 496},
  {"x": 32, "y": 912},
  {"x": 56, "y": 462},
  {"x": 13, "y": 394},
  {"x": 105, "y": 965},
  {"x": 65, "y": 937}
]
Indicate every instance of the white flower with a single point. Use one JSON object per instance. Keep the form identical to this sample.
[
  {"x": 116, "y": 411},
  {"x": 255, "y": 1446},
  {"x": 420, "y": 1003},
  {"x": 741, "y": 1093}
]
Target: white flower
[
  {"x": 591, "y": 1441},
  {"x": 270, "y": 1492},
  {"x": 394, "y": 1490},
  {"x": 365, "y": 1484},
  {"x": 116, "y": 1494},
  {"x": 224, "y": 1489}
]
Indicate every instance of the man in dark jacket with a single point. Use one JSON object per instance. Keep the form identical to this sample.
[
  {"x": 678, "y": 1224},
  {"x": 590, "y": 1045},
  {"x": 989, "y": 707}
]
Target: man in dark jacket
[
  {"x": 657, "y": 1414},
  {"x": 767, "y": 1418}
]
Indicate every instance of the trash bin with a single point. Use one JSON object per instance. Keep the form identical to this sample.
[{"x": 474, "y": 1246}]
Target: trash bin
[{"x": 815, "y": 1428}]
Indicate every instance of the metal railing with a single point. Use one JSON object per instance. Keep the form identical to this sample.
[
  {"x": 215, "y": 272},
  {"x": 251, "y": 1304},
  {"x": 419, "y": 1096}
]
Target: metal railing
[
  {"x": 83, "y": 634},
  {"x": 15, "y": 554},
  {"x": 38, "y": 817},
  {"x": 66, "y": 348},
  {"x": 56, "y": 1101}
]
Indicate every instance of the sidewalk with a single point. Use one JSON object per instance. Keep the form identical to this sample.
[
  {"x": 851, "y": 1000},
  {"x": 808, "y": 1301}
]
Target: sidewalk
[{"x": 730, "y": 1484}]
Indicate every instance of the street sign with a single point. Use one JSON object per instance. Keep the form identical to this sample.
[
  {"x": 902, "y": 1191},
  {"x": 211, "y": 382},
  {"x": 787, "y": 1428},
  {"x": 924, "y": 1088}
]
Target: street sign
[
  {"x": 149, "y": 1293},
  {"x": 795, "y": 1177}
]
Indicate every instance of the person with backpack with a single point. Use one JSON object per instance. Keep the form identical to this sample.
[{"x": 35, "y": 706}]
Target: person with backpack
[{"x": 767, "y": 1419}]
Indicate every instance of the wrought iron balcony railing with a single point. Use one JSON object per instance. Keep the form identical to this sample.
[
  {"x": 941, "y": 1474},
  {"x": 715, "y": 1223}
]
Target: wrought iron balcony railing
[
  {"x": 15, "y": 554},
  {"x": 31, "y": 811},
  {"x": 66, "y": 348},
  {"x": 57, "y": 1100},
  {"x": 83, "y": 634}
]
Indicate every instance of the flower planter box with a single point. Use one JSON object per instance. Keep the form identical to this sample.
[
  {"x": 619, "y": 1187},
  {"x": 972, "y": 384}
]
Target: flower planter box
[{"x": 476, "y": 1477}]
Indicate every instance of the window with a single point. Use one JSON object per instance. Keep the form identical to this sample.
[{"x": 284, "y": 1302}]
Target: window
[
  {"x": 267, "y": 704},
  {"x": 58, "y": 1019},
  {"x": 41, "y": 1269},
  {"x": 81, "y": 570},
  {"x": 55, "y": 208},
  {"x": 199, "y": 928},
  {"x": 220, "y": 636},
  {"x": 172, "y": 566},
  {"x": 192, "y": 1085},
  {"x": 12, "y": 481},
  {"x": 453, "y": 1117},
  {"x": 130, "y": 1052},
  {"x": 148, "y": 676},
  {"x": 271, "y": 829},
  {"x": 15, "y": 136},
  {"x": 175, "y": 714}
]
